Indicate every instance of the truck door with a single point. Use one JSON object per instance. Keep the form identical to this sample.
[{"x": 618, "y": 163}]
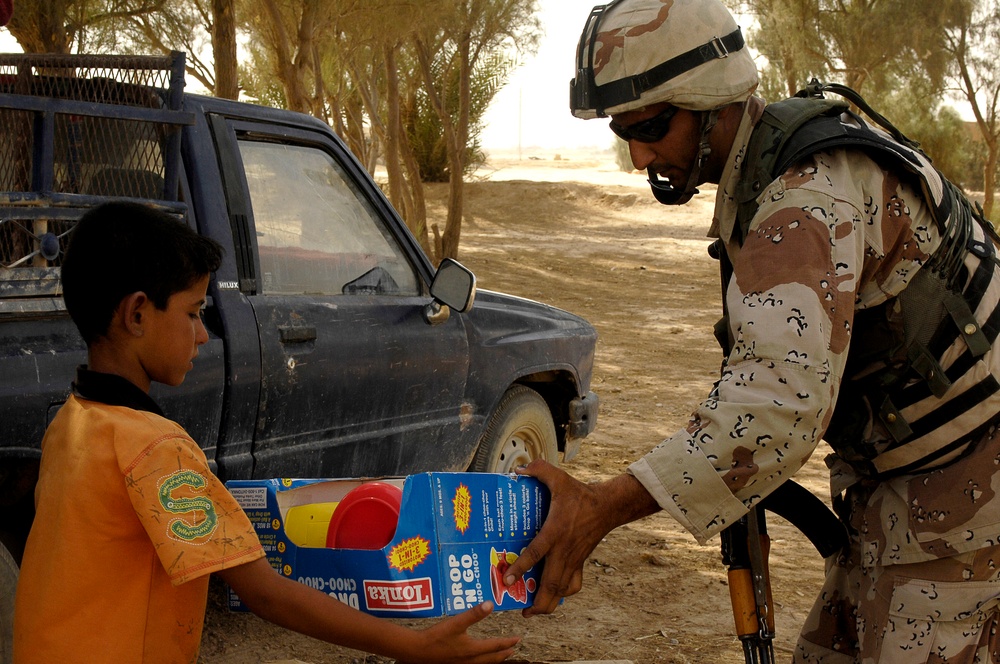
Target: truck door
[{"x": 355, "y": 381}]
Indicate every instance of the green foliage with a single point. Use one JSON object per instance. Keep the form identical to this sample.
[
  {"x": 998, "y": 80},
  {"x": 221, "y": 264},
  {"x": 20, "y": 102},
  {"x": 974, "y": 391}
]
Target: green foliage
[
  {"x": 257, "y": 84},
  {"x": 423, "y": 126},
  {"x": 891, "y": 51},
  {"x": 855, "y": 42},
  {"x": 948, "y": 140},
  {"x": 623, "y": 158},
  {"x": 939, "y": 129}
]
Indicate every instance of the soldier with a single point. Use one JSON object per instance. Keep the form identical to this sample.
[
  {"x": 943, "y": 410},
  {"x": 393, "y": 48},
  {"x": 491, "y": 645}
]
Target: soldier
[{"x": 862, "y": 308}]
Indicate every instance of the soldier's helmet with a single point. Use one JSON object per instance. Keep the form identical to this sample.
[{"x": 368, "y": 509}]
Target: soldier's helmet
[{"x": 634, "y": 53}]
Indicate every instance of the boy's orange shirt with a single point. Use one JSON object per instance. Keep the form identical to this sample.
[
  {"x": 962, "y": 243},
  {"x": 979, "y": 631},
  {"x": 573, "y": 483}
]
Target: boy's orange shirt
[{"x": 129, "y": 524}]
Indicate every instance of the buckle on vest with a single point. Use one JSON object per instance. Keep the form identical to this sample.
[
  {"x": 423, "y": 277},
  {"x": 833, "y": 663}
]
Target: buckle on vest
[
  {"x": 893, "y": 420},
  {"x": 928, "y": 368},
  {"x": 967, "y": 324}
]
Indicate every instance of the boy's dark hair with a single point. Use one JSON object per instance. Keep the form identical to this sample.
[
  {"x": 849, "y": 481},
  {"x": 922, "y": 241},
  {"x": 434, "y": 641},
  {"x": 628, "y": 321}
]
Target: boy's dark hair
[{"x": 117, "y": 249}]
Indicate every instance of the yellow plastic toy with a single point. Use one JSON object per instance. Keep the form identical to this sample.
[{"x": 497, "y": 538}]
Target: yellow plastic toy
[{"x": 307, "y": 525}]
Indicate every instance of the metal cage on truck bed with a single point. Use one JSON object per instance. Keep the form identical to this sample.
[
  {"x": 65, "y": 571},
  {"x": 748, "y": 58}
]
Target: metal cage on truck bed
[{"x": 75, "y": 130}]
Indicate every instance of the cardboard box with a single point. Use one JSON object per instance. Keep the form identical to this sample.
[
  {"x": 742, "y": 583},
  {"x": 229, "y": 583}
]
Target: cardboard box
[{"x": 455, "y": 537}]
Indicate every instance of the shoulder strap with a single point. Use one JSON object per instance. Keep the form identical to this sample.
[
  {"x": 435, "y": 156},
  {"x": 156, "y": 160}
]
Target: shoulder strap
[
  {"x": 795, "y": 128},
  {"x": 816, "y": 89},
  {"x": 779, "y": 123}
]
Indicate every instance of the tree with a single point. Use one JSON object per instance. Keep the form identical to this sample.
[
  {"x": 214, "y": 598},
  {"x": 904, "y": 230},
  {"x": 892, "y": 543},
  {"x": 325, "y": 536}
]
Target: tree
[
  {"x": 182, "y": 25},
  {"x": 286, "y": 34},
  {"x": 62, "y": 26},
  {"x": 470, "y": 32},
  {"x": 423, "y": 124},
  {"x": 356, "y": 73},
  {"x": 378, "y": 76},
  {"x": 381, "y": 71},
  {"x": 902, "y": 70},
  {"x": 855, "y": 42},
  {"x": 224, "y": 49},
  {"x": 137, "y": 26},
  {"x": 783, "y": 36},
  {"x": 935, "y": 125},
  {"x": 359, "y": 73},
  {"x": 972, "y": 40}
]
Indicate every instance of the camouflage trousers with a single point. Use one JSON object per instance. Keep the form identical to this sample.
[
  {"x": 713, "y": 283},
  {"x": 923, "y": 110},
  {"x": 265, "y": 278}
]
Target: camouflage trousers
[{"x": 944, "y": 610}]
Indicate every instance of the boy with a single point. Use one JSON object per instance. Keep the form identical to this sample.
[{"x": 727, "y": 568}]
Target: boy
[{"x": 129, "y": 520}]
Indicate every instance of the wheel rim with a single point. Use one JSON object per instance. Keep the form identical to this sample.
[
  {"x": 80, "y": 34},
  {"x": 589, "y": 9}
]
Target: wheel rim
[{"x": 519, "y": 449}]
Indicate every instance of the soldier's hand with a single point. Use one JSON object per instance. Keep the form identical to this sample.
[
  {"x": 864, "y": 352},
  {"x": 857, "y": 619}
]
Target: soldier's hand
[{"x": 579, "y": 517}]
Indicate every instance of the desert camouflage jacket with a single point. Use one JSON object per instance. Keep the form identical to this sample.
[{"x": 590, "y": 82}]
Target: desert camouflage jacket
[{"x": 833, "y": 235}]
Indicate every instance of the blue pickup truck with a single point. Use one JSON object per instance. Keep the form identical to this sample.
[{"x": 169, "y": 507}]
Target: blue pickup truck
[{"x": 337, "y": 349}]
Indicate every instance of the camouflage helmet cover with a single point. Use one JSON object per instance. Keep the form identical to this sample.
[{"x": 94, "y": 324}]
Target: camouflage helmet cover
[{"x": 634, "y": 53}]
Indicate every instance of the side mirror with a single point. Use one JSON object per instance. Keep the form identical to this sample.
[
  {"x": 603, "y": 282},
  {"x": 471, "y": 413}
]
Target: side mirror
[{"x": 454, "y": 286}]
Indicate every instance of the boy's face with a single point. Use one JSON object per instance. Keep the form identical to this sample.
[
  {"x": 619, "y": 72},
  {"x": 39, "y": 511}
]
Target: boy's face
[{"x": 171, "y": 337}]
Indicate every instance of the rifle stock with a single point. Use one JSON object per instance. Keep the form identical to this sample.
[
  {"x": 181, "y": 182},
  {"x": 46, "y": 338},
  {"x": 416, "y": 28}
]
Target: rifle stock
[
  {"x": 745, "y": 551},
  {"x": 797, "y": 505}
]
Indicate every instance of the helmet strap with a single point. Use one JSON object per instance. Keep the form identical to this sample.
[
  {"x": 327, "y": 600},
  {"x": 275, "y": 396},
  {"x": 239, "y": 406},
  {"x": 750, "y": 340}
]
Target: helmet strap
[{"x": 668, "y": 195}]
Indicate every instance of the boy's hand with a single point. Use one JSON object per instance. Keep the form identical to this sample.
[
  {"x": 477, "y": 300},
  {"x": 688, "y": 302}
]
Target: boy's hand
[{"x": 447, "y": 641}]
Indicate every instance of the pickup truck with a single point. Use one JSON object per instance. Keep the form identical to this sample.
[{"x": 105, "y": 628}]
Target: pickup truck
[{"x": 336, "y": 349}]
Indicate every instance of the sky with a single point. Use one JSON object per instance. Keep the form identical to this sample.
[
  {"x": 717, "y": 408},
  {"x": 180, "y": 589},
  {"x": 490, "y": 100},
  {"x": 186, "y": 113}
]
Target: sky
[{"x": 532, "y": 110}]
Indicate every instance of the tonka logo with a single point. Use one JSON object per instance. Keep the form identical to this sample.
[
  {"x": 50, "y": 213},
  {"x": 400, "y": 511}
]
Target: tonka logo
[{"x": 409, "y": 595}]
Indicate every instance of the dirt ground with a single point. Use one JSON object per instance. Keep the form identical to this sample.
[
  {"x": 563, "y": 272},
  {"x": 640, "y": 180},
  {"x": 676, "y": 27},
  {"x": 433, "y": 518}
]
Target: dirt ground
[{"x": 580, "y": 235}]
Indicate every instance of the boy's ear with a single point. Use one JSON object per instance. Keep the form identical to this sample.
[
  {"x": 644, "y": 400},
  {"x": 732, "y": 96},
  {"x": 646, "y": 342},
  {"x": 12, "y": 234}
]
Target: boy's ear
[{"x": 132, "y": 309}]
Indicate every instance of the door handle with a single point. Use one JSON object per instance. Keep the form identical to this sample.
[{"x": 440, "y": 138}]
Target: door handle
[{"x": 296, "y": 334}]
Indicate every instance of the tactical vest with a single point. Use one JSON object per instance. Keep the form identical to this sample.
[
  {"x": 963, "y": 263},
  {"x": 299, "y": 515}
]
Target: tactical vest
[{"x": 903, "y": 338}]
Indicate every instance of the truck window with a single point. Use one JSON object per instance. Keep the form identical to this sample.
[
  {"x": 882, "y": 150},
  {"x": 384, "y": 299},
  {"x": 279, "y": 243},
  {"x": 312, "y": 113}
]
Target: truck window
[{"x": 316, "y": 232}]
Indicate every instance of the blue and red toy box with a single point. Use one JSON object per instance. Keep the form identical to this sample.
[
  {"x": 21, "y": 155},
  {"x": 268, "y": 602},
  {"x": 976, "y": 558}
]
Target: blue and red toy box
[{"x": 455, "y": 537}]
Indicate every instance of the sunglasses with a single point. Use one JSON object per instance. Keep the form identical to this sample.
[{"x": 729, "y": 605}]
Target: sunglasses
[{"x": 649, "y": 130}]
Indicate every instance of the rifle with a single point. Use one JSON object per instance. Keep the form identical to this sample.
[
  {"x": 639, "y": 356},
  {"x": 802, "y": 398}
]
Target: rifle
[{"x": 745, "y": 550}]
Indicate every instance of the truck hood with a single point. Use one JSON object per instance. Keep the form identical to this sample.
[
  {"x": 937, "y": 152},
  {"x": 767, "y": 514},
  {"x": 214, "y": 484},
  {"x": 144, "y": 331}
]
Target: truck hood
[{"x": 498, "y": 319}]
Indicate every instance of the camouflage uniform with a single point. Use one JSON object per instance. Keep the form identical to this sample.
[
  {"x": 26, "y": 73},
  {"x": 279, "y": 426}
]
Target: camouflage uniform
[{"x": 836, "y": 234}]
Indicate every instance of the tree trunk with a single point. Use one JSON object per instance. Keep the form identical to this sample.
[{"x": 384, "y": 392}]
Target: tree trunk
[
  {"x": 392, "y": 132},
  {"x": 303, "y": 60},
  {"x": 456, "y": 197},
  {"x": 320, "y": 106},
  {"x": 224, "y": 49},
  {"x": 457, "y": 140},
  {"x": 418, "y": 222},
  {"x": 989, "y": 178},
  {"x": 286, "y": 68},
  {"x": 363, "y": 101},
  {"x": 415, "y": 184},
  {"x": 39, "y": 26}
]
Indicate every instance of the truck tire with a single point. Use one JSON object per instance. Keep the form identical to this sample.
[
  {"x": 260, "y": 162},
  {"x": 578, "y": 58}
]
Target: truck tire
[
  {"x": 8, "y": 584},
  {"x": 520, "y": 430}
]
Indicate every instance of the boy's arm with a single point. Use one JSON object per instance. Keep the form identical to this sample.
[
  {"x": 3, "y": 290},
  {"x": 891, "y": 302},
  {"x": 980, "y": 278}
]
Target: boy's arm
[{"x": 303, "y": 609}]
